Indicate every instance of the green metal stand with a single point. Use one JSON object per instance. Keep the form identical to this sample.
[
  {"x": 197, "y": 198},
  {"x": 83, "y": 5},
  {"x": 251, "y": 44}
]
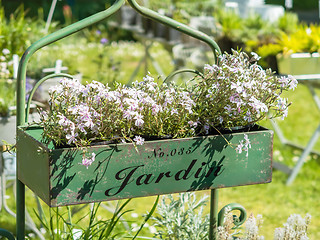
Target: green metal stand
[{"x": 22, "y": 111}]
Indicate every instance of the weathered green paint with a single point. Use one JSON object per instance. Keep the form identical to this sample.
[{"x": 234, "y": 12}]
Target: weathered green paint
[{"x": 158, "y": 167}]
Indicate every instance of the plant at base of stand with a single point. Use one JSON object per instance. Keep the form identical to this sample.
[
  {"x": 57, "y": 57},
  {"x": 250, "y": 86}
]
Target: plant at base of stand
[
  {"x": 181, "y": 218},
  {"x": 61, "y": 224},
  {"x": 294, "y": 229}
]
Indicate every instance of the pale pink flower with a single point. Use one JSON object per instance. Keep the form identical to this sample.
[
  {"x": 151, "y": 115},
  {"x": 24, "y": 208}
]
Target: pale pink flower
[
  {"x": 87, "y": 161},
  {"x": 138, "y": 140},
  {"x": 139, "y": 121}
]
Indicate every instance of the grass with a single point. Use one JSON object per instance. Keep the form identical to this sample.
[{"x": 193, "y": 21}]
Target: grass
[{"x": 275, "y": 201}]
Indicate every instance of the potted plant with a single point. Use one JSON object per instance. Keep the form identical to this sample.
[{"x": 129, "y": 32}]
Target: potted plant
[
  {"x": 157, "y": 138},
  {"x": 297, "y": 53}
]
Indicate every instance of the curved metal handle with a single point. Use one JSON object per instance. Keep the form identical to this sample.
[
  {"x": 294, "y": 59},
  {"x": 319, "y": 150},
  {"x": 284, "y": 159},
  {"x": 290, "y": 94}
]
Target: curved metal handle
[
  {"x": 171, "y": 75},
  {"x": 237, "y": 221},
  {"x": 36, "y": 86},
  {"x": 176, "y": 25}
]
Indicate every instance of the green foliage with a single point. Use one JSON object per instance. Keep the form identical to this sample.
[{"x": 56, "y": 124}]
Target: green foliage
[
  {"x": 288, "y": 23},
  {"x": 231, "y": 24},
  {"x": 59, "y": 224},
  {"x": 16, "y": 35},
  {"x": 69, "y": 223},
  {"x": 305, "y": 39},
  {"x": 18, "y": 32},
  {"x": 80, "y": 8},
  {"x": 7, "y": 96},
  {"x": 182, "y": 218}
]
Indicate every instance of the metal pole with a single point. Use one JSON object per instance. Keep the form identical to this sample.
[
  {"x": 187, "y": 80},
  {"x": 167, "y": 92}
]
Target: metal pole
[
  {"x": 21, "y": 90},
  {"x": 20, "y": 199},
  {"x": 49, "y": 19},
  {"x": 213, "y": 214}
]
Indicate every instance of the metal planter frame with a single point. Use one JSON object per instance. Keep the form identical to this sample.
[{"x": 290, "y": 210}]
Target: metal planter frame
[{"x": 188, "y": 172}]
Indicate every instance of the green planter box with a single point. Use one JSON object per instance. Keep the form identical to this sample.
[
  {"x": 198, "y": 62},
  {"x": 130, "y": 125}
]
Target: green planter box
[
  {"x": 159, "y": 167},
  {"x": 299, "y": 63}
]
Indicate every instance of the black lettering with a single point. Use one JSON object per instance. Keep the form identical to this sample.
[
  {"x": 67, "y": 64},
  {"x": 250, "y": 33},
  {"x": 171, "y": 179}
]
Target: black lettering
[
  {"x": 186, "y": 171},
  {"x": 216, "y": 172},
  {"x": 147, "y": 180},
  {"x": 173, "y": 152},
  {"x": 215, "y": 169},
  {"x": 199, "y": 170},
  {"x": 181, "y": 151},
  {"x": 154, "y": 154},
  {"x": 126, "y": 180},
  {"x": 161, "y": 154},
  {"x": 188, "y": 151}
]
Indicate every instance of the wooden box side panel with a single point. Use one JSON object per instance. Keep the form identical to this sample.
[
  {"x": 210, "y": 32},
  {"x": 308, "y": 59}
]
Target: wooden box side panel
[{"x": 32, "y": 166}]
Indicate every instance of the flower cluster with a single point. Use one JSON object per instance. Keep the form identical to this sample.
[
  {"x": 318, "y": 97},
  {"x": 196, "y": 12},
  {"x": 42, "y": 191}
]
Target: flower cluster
[
  {"x": 237, "y": 92},
  {"x": 230, "y": 232},
  {"x": 234, "y": 92},
  {"x": 87, "y": 113},
  {"x": 244, "y": 145},
  {"x": 296, "y": 227}
]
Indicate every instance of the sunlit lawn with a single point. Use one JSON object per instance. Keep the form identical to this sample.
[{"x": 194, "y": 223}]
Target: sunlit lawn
[{"x": 275, "y": 201}]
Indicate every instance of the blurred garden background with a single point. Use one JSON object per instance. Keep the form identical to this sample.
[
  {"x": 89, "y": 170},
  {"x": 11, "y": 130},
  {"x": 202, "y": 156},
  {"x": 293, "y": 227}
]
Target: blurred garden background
[{"x": 124, "y": 48}]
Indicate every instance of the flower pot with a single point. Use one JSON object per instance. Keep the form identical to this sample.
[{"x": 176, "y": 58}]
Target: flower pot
[
  {"x": 299, "y": 63},
  {"x": 157, "y": 167}
]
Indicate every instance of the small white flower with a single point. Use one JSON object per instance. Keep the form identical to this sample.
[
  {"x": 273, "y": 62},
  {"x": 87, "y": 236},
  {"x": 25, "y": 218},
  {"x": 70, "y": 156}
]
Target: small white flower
[
  {"x": 174, "y": 111},
  {"x": 255, "y": 56},
  {"x": 139, "y": 121},
  {"x": 134, "y": 215},
  {"x": 139, "y": 140},
  {"x": 5, "y": 51},
  {"x": 239, "y": 148}
]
